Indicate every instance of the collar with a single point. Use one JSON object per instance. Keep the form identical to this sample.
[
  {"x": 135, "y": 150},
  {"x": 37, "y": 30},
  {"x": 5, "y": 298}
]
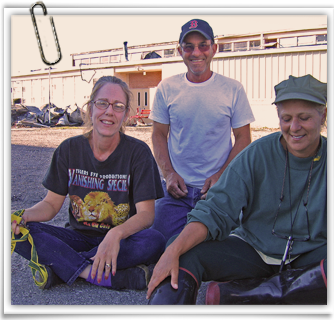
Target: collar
[{"x": 302, "y": 163}]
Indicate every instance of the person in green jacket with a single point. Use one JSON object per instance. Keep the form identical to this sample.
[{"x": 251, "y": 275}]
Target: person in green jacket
[{"x": 262, "y": 230}]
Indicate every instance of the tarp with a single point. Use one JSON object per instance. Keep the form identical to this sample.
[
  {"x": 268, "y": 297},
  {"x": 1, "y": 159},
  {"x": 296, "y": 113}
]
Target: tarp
[{"x": 32, "y": 116}]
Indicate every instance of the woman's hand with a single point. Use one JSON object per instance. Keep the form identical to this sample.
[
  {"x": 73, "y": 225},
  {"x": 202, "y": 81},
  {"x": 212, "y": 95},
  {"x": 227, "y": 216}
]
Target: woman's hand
[
  {"x": 16, "y": 227},
  {"x": 168, "y": 265},
  {"x": 106, "y": 256},
  {"x": 108, "y": 249},
  {"x": 17, "y": 215},
  {"x": 42, "y": 211}
]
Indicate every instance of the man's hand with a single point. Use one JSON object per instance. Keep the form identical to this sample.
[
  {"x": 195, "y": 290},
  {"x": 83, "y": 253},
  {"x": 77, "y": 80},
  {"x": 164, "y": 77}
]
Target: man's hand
[
  {"x": 209, "y": 182},
  {"x": 176, "y": 186}
]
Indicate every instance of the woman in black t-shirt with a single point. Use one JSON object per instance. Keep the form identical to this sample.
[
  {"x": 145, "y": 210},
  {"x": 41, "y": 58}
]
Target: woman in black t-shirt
[{"x": 112, "y": 181}]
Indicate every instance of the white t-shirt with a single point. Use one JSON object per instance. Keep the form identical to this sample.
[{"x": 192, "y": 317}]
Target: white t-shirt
[{"x": 200, "y": 116}]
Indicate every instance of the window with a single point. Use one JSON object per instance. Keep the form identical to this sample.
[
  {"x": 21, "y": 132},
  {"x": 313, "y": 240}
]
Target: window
[
  {"x": 145, "y": 99},
  {"x": 321, "y": 39},
  {"x": 225, "y": 47},
  {"x": 138, "y": 99},
  {"x": 169, "y": 53},
  {"x": 306, "y": 40},
  {"x": 240, "y": 46},
  {"x": 256, "y": 44},
  {"x": 94, "y": 60},
  {"x": 135, "y": 56},
  {"x": 114, "y": 58},
  {"x": 288, "y": 42},
  {"x": 104, "y": 59},
  {"x": 85, "y": 61},
  {"x": 270, "y": 43},
  {"x": 144, "y": 53}
]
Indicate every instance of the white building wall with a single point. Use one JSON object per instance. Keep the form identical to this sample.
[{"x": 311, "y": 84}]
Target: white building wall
[
  {"x": 259, "y": 73},
  {"x": 170, "y": 69}
]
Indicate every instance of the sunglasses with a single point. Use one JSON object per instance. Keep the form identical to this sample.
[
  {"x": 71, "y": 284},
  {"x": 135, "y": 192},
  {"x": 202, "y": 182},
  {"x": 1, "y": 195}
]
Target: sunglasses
[{"x": 189, "y": 47}]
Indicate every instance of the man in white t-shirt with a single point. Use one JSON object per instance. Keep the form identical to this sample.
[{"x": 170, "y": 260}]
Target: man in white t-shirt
[{"x": 193, "y": 116}]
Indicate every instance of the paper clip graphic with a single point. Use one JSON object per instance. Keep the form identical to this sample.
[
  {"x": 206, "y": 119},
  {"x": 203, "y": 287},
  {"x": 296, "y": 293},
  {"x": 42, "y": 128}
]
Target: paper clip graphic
[{"x": 40, "y": 3}]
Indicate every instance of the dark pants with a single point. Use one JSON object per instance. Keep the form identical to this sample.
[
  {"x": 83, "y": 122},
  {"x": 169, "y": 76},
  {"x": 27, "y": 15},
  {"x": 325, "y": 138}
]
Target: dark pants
[
  {"x": 234, "y": 258},
  {"x": 68, "y": 252}
]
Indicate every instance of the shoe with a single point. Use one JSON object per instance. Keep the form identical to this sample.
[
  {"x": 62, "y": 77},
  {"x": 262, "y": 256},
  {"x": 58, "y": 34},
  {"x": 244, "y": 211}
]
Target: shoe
[
  {"x": 295, "y": 287},
  {"x": 51, "y": 281},
  {"x": 186, "y": 294},
  {"x": 136, "y": 278}
]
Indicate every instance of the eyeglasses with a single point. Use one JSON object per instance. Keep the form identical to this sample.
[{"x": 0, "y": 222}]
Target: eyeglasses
[
  {"x": 305, "y": 202},
  {"x": 189, "y": 47},
  {"x": 290, "y": 239},
  {"x": 286, "y": 237},
  {"x": 102, "y": 104}
]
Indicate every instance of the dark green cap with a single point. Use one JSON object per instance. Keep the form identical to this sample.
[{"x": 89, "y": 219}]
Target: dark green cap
[{"x": 303, "y": 88}]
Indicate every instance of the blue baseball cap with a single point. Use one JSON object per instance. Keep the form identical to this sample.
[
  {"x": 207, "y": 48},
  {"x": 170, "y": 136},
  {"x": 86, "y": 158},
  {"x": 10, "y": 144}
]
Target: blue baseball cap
[
  {"x": 302, "y": 88},
  {"x": 197, "y": 25}
]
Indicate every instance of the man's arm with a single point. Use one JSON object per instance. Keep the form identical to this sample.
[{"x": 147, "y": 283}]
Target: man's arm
[
  {"x": 242, "y": 137},
  {"x": 175, "y": 183},
  {"x": 168, "y": 264}
]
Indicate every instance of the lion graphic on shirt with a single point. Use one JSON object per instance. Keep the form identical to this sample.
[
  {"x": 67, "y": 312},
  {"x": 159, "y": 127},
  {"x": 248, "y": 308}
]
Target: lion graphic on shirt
[
  {"x": 98, "y": 207},
  {"x": 77, "y": 207}
]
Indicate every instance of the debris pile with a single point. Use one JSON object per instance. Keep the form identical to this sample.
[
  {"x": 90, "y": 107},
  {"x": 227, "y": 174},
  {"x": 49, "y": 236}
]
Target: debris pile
[{"x": 23, "y": 115}]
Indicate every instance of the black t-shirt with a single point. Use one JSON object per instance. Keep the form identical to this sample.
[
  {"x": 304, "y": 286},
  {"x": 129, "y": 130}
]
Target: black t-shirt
[{"x": 103, "y": 194}]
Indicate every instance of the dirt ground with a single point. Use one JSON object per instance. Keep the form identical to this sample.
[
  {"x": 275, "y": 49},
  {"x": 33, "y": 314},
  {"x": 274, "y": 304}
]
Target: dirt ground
[
  {"x": 31, "y": 152},
  {"x": 32, "y": 149},
  {"x": 52, "y": 137}
]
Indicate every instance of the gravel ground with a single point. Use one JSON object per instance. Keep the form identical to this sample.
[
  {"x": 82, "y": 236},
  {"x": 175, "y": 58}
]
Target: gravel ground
[{"x": 31, "y": 152}]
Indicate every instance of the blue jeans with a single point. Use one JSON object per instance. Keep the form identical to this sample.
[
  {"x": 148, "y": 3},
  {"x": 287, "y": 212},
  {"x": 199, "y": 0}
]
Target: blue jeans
[
  {"x": 171, "y": 213},
  {"x": 68, "y": 252}
]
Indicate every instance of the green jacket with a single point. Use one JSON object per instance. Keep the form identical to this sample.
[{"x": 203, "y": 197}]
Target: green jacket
[{"x": 246, "y": 199}]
